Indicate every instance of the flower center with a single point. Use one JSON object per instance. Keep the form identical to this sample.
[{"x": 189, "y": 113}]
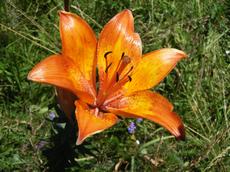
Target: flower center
[{"x": 114, "y": 78}]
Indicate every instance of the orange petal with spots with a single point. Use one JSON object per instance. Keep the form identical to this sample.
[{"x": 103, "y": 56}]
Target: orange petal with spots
[
  {"x": 118, "y": 37},
  {"x": 90, "y": 122},
  {"x": 152, "y": 106},
  {"x": 153, "y": 68},
  {"x": 62, "y": 72}
]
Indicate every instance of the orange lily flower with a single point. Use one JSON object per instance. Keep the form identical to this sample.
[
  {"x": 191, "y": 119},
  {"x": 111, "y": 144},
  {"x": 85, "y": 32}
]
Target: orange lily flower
[{"x": 124, "y": 75}]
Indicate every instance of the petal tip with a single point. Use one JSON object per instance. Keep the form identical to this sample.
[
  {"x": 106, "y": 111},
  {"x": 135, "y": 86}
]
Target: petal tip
[
  {"x": 79, "y": 141},
  {"x": 127, "y": 11},
  {"x": 181, "y": 135},
  {"x": 180, "y": 53},
  {"x": 62, "y": 13},
  {"x": 66, "y": 17},
  {"x": 34, "y": 74},
  {"x": 29, "y": 76}
]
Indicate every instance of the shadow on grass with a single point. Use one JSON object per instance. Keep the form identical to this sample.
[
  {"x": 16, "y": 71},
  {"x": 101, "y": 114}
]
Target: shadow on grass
[
  {"x": 63, "y": 150},
  {"x": 61, "y": 154}
]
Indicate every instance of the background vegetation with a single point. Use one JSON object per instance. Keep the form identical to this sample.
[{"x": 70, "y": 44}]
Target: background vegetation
[{"x": 198, "y": 87}]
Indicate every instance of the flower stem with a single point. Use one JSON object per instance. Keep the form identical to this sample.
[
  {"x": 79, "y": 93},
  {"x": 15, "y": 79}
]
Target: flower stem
[{"x": 66, "y": 5}]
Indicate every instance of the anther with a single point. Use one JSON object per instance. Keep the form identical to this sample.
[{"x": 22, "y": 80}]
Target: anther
[
  {"x": 130, "y": 79},
  {"x": 106, "y": 54},
  {"x": 106, "y": 61},
  {"x": 123, "y": 54},
  {"x": 130, "y": 70},
  {"x": 117, "y": 77},
  {"x": 127, "y": 74},
  {"x": 107, "y": 67}
]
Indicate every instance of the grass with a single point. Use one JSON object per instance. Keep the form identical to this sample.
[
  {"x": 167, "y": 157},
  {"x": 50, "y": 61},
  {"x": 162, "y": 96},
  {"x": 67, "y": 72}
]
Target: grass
[{"x": 198, "y": 87}]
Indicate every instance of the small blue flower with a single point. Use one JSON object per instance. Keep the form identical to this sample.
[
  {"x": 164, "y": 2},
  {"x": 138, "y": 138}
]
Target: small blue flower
[
  {"x": 139, "y": 120},
  {"x": 131, "y": 127},
  {"x": 51, "y": 116},
  {"x": 41, "y": 144}
]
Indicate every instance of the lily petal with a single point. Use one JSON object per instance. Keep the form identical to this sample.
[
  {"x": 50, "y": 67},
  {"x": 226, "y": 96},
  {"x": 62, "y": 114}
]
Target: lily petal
[
  {"x": 118, "y": 37},
  {"x": 154, "y": 67},
  {"x": 79, "y": 43},
  {"x": 62, "y": 72},
  {"x": 90, "y": 123},
  {"x": 66, "y": 101},
  {"x": 152, "y": 106},
  {"x": 53, "y": 70}
]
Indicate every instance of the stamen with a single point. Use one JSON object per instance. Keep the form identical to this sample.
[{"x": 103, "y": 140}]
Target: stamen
[
  {"x": 123, "y": 62},
  {"x": 117, "y": 77},
  {"x": 106, "y": 54},
  {"x": 120, "y": 61},
  {"x": 123, "y": 54},
  {"x": 130, "y": 79},
  {"x": 107, "y": 67},
  {"x": 106, "y": 61},
  {"x": 96, "y": 112},
  {"x": 120, "y": 81},
  {"x": 127, "y": 75},
  {"x": 112, "y": 99},
  {"x": 131, "y": 69}
]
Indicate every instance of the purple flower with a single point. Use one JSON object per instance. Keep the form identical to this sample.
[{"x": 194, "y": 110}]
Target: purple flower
[
  {"x": 41, "y": 144},
  {"x": 131, "y": 127},
  {"x": 139, "y": 120},
  {"x": 51, "y": 116}
]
